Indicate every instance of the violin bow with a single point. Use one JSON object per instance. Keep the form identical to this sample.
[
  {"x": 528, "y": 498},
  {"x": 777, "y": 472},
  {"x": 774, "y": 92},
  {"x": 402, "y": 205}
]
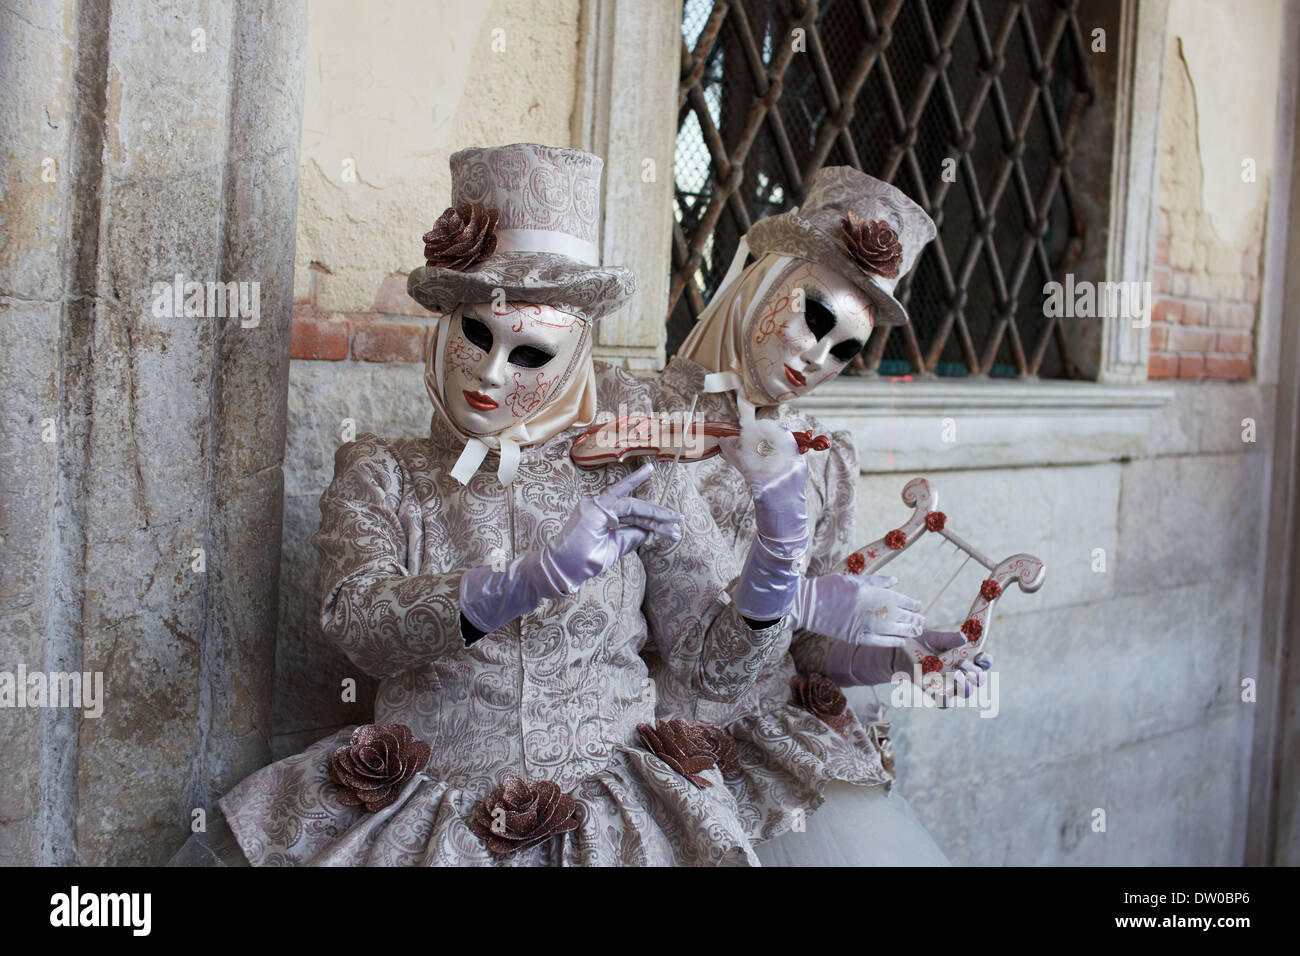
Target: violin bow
[{"x": 1025, "y": 569}]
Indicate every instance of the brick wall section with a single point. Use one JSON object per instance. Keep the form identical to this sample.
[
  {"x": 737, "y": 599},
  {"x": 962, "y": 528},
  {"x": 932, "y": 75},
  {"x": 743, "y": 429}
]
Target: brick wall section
[
  {"x": 397, "y": 329},
  {"x": 1195, "y": 333}
]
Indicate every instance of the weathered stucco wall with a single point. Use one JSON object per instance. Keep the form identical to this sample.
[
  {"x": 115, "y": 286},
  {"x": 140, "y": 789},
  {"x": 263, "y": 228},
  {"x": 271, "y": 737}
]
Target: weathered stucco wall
[
  {"x": 1216, "y": 156},
  {"x": 396, "y": 92}
]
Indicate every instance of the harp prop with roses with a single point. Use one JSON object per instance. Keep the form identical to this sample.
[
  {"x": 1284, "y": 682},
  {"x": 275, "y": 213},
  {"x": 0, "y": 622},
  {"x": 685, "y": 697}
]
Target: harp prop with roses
[{"x": 1025, "y": 569}]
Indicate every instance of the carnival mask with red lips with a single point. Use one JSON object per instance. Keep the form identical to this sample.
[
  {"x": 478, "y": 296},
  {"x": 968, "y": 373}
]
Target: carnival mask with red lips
[
  {"x": 810, "y": 323},
  {"x": 502, "y": 366}
]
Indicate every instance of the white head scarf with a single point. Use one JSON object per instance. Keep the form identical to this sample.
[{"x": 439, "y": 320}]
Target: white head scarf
[
  {"x": 718, "y": 340},
  {"x": 572, "y": 402}
]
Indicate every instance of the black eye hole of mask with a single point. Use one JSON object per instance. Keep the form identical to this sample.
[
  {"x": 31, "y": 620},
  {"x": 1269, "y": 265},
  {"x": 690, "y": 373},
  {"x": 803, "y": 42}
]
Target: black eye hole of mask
[
  {"x": 844, "y": 351},
  {"x": 528, "y": 356},
  {"x": 818, "y": 317},
  {"x": 479, "y": 335}
]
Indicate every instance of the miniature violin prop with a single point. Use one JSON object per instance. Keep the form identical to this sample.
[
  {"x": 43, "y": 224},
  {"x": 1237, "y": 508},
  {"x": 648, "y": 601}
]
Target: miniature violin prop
[
  {"x": 1025, "y": 569},
  {"x": 667, "y": 438}
]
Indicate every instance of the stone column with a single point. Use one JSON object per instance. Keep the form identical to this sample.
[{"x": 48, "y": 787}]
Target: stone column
[{"x": 141, "y": 467}]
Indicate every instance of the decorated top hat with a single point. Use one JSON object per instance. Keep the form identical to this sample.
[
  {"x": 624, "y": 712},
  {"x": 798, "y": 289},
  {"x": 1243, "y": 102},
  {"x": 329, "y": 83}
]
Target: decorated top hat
[
  {"x": 865, "y": 229},
  {"x": 524, "y": 220}
]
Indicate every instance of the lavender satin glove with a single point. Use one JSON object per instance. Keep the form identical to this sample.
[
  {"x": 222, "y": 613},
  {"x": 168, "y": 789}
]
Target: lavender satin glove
[
  {"x": 852, "y": 665},
  {"x": 766, "y": 455},
  {"x": 858, "y": 609},
  {"x": 598, "y": 533}
]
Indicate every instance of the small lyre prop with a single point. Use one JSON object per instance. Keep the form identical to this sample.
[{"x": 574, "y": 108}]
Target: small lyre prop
[{"x": 1027, "y": 570}]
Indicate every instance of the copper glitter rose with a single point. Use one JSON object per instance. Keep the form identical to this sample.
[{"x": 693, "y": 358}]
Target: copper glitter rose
[
  {"x": 519, "y": 814},
  {"x": 373, "y": 769},
  {"x": 462, "y": 236},
  {"x": 873, "y": 245},
  {"x": 821, "y": 697},
  {"x": 690, "y": 747}
]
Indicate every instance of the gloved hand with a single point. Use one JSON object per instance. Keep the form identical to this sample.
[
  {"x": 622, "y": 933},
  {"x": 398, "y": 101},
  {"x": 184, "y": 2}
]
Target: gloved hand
[
  {"x": 862, "y": 665},
  {"x": 767, "y": 456},
  {"x": 599, "y": 532},
  {"x": 857, "y": 608}
]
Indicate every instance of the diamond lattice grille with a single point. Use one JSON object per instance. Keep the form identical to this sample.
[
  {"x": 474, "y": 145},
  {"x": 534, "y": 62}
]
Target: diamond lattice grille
[{"x": 968, "y": 106}]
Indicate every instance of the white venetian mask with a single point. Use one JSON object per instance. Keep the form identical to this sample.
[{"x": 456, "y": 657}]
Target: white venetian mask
[
  {"x": 810, "y": 323},
  {"x": 502, "y": 367}
]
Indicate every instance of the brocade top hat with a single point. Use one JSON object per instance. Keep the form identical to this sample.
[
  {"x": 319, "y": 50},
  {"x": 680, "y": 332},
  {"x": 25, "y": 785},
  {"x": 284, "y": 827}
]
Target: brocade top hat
[
  {"x": 524, "y": 219},
  {"x": 865, "y": 229}
]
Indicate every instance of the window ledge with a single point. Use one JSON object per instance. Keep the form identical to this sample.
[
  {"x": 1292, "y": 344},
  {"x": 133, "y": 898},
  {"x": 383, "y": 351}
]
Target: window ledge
[{"x": 988, "y": 423}]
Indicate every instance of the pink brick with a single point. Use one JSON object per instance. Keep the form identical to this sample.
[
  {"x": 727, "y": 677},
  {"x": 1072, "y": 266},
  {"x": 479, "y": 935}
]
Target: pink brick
[
  {"x": 1161, "y": 279},
  {"x": 1242, "y": 316},
  {"x": 316, "y": 338},
  {"x": 1167, "y": 310},
  {"x": 1191, "y": 366},
  {"x": 1183, "y": 339},
  {"x": 1235, "y": 369},
  {"x": 1162, "y": 365},
  {"x": 1194, "y": 313},
  {"x": 1233, "y": 343},
  {"x": 1250, "y": 290},
  {"x": 388, "y": 342},
  {"x": 1181, "y": 283},
  {"x": 1162, "y": 252},
  {"x": 1159, "y": 336}
]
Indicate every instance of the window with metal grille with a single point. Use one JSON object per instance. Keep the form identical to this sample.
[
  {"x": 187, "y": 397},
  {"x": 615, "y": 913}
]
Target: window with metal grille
[{"x": 971, "y": 107}]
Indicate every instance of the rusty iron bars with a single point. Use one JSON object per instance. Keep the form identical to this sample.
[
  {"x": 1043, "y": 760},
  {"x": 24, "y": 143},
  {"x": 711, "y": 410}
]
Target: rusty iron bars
[{"x": 926, "y": 94}]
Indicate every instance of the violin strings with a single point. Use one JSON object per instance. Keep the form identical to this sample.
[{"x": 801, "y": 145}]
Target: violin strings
[{"x": 681, "y": 447}]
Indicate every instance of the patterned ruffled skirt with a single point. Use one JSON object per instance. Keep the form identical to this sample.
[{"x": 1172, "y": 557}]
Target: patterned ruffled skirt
[{"x": 636, "y": 811}]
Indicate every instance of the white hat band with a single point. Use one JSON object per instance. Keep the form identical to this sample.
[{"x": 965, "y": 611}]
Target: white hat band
[{"x": 547, "y": 240}]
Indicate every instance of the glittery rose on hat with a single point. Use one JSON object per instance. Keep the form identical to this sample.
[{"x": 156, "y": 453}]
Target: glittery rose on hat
[
  {"x": 373, "y": 768},
  {"x": 462, "y": 236},
  {"x": 873, "y": 245}
]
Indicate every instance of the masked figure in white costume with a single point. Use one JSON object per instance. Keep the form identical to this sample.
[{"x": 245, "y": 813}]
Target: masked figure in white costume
[
  {"x": 824, "y": 276},
  {"x": 503, "y": 595}
]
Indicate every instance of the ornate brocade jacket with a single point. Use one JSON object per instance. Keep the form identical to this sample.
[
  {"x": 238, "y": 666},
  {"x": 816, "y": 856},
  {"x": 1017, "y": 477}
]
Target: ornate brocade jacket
[
  {"x": 554, "y": 695},
  {"x": 787, "y": 755}
]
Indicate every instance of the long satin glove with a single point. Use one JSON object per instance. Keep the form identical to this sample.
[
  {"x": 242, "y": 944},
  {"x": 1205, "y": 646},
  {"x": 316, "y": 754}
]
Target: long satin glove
[
  {"x": 857, "y": 608},
  {"x": 851, "y": 665},
  {"x": 598, "y": 533},
  {"x": 767, "y": 456}
]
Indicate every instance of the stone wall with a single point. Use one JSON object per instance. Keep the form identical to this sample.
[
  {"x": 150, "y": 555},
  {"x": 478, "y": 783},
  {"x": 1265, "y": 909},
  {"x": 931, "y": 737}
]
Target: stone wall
[{"x": 142, "y": 467}]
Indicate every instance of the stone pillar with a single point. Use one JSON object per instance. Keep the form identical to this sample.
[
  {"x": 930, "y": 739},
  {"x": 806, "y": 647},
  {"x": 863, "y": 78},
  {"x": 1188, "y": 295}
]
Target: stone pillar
[{"x": 141, "y": 464}]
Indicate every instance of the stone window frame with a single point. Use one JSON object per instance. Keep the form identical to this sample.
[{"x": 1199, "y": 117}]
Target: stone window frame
[{"x": 1060, "y": 421}]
